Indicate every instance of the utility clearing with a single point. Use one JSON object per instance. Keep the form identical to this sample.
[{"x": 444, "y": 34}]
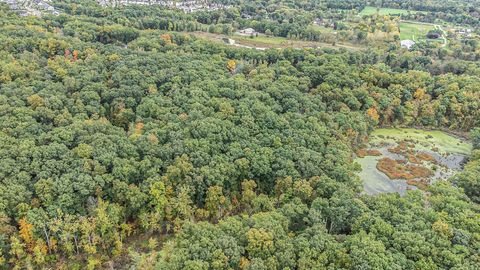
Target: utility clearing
[
  {"x": 263, "y": 42},
  {"x": 369, "y": 10}
]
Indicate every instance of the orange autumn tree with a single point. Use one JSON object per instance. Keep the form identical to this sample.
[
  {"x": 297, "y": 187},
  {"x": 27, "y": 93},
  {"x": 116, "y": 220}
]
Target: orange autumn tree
[
  {"x": 167, "y": 38},
  {"x": 137, "y": 130},
  {"x": 373, "y": 114},
  {"x": 139, "y": 127},
  {"x": 152, "y": 138},
  {"x": 75, "y": 55}
]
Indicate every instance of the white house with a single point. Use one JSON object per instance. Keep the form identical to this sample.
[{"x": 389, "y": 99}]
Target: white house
[
  {"x": 318, "y": 21},
  {"x": 407, "y": 43},
  {"x": 465, "y": 32},
  {"x": 248, "y": 31}
]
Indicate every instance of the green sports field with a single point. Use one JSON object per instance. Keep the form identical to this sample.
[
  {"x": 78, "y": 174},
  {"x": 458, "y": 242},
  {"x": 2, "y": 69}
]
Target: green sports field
[
  {"x": 369, "y": 10},
  {"x": 414, "y": 31}
]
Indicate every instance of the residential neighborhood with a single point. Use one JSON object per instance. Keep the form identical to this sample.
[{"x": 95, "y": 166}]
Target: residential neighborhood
[
  {"x": 39, "y": 7},
  {"x": 32, "y": 7},
  {"x": 186, "y": 6}
]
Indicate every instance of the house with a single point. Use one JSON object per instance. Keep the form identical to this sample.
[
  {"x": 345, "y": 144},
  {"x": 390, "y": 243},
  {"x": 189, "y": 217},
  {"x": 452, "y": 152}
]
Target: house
[
  {"x": 407, "y": 43},
  {"x": 318, "y": 21},
  {"x": 248, "y": 31},
  {"x": 465, "y": 32}
]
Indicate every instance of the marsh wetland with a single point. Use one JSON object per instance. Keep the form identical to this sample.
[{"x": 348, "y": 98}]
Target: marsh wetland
[{"x": 399, "y": 159}]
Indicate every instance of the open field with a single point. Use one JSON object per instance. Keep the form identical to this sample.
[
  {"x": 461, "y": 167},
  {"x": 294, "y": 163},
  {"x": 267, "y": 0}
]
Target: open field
[
  {"x": 369, "y": 10},
  {"x": 263, "y": 39},
  {"x": 266, "y": 42},
  {"x": 414, "y": 31},
  {"x": 425, "y": 139}
]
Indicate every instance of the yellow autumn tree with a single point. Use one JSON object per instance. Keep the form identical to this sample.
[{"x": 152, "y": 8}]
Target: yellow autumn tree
[
  {"x": 260, "y": 242},
  {"x": 244, "y": 262},
  {"x": 26, "y": 233},
  {"x": 2, "y": 259},
  {"x": 231, "y": 65},
  {"x": 35, "y": 101},
  {"x": 419, "y": 94},
  {"x": 442, "y": 228},
  {"x": 152, "y": 138},
  {"x": 113, "y": 57},
  {"x": 183, "y": 116},
  {"x": 215, "y": 202},
  {"x": 152, "y": 89}
]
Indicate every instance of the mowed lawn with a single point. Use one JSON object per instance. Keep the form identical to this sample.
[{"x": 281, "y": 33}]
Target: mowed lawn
[
  {"x": 262, "y": 39},
  {"x": 414, "y": 31},
  {"x": 369, "y": 10}
]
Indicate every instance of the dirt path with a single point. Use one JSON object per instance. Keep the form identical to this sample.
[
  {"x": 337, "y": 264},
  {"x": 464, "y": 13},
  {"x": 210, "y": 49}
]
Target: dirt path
[{"x": 444, "y": 34}]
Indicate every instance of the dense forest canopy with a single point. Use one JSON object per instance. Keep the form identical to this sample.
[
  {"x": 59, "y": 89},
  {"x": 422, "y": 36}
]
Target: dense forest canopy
[{"x": 128, "y": 142}]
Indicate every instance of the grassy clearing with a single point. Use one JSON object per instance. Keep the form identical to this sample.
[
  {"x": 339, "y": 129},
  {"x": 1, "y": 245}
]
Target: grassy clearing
[
  {"x": 369, "y": 10},
  {"x": 263, "y": 41},
  {"x": 322, "y": 28},
  {"x": 426, "y": 140},
  {"x": 414, "y": 31}
]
